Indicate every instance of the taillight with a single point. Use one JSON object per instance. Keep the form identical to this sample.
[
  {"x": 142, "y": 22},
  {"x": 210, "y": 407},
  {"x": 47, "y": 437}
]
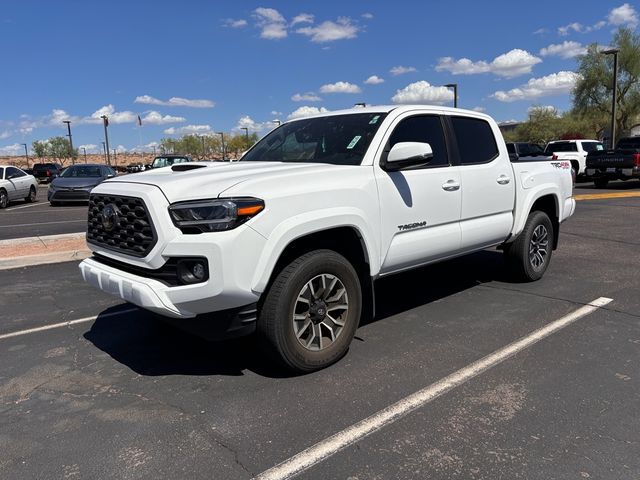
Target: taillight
[
  {"x": 636, "y": 159},
  {"x": 554, "y": 157},
  {"x": 48, "y": 173}
]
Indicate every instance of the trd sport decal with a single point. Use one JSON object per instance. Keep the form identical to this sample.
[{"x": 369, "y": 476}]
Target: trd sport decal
[
  {"x": 563, "y": 165},
  {"x": 412, "y": 226}
]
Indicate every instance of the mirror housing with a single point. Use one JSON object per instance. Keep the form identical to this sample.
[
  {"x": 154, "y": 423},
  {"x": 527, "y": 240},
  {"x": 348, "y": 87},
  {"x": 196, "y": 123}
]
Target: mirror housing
[{"x": 407, "y": 154}]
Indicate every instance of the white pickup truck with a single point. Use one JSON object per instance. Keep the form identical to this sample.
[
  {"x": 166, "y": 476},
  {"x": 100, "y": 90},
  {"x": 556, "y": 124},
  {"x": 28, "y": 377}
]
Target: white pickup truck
[
  {"x": 574, "y": 151},
  {"x": 289, "y": 241}
]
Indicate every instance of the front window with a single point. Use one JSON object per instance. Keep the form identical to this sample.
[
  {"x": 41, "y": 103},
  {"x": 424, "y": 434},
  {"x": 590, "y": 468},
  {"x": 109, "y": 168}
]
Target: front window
[
  {"x": 160, "y": 162},
  {"x": 336, "y": 139},
  {"x": 81, "y": 171},
  {"x": 592, "y": 146}
]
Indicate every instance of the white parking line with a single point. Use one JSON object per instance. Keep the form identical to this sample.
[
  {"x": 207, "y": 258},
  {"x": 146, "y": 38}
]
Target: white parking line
[
  {"x": 41, "y": 223},
  {"x": 26, "y": 206},
  {"x": 350, "y": 435},
  {"x": 64, "y": 324}
]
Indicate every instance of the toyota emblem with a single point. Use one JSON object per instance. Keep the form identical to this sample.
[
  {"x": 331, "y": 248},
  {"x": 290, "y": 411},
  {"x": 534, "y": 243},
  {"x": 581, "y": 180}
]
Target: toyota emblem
[{"x": 110, "y": 217}]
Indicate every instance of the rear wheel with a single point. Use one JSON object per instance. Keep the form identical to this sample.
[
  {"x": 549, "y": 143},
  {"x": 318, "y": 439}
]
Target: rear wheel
[
  {"x": 311, "y": 311},
  {"x": 32, "y": 195},
  {"x": 601, "y": 182},
  {"x": 529, "y": 255},
  {"x": 4, "y": 198},
  {"x": 54, "y": 204}
]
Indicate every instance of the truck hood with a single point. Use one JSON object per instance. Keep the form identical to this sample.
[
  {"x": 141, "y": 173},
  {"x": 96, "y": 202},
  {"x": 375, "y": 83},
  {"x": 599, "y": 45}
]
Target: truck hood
[{"x": 211, "y": 179}]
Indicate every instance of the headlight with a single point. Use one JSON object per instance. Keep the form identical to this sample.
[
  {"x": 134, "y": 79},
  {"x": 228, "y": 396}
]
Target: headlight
[{"x": 214, "y": 215}]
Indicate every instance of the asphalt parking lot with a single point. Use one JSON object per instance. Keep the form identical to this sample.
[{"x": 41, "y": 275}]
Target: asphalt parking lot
[{"x": 119, "y": 394}]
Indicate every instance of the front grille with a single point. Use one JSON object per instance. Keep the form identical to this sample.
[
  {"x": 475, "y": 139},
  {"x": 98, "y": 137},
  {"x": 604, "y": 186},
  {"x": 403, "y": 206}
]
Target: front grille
[
  {"x": 71, "y": 195},
  {"x": 132, "y": 232}
]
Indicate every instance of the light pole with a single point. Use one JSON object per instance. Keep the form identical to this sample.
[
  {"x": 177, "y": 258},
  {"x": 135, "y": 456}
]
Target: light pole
[
  {"x": 203, "y": 150},
  {"x": 154, "y": 150},
  {"x": 246, "y": 133},
  {"x": 115, "y": 157},
  {"x": 26, "y": 153},
  {"x": 614, "y": 52},
  {"x": 85, "y": 154},
  {"x": 105, "y": 122},
  {"x": 222, "y": 136},
  {"x": 104, "y": 149},
  {"x": 455, "y": 93}
]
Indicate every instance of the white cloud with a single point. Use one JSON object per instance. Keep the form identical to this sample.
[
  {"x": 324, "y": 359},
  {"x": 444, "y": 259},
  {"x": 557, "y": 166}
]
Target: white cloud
[
  {"x": 566, "y": 49},
  {"x": 479, "y": 109},
  {"x": 623, "y": 15},
  {"x": 575, "y": 27},
  {"x": 25, "y": 130},
  {"x": 15, "y": 149},
  {"x": 423, "y": 92},
  {"x": 114, "y": 117},
  {"x": 546, "y": 108},
  {"x": 340, "y": 87},
  {"x": 189, "y": 130},
  {"x": 400, "y": 70},
  {"x": 329, "y": 31},
  {"x": 121, "y": 149},
  {"x": 306, "y": 111},
  {"x": 302, "y": 18},
  {"x": 541, "y": 31},
  {"x": 5, "y": 134},
  {"x": 511, "y": 64},
  {"x": 367, "y": 15},
  {"x": 175, "y": 102},
  {"x": 554, "y": 84},
  {"x": 230, "y": 22},
  {"x": 156, "y": 118},
  {"x": 276, "y": 113},
  {"x": 272, "y": 23},
  {"x": 306, "y": 97},
  {"x": 247, "y": 122},
  {"x": 374, "y": 80},
  {"x": 89, "y": 147}
]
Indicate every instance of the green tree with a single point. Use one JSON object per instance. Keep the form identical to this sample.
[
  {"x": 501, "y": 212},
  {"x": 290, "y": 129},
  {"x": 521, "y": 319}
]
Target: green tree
[
  {"x": 40, "y": 148},
  {"x": 542, "y": 126},
  {"x": 60, "y": 149},
  {"x": 594, "y": 90}
]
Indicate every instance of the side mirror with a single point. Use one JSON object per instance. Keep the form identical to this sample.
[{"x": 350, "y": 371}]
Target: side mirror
[{"x": 408, "y": 154}]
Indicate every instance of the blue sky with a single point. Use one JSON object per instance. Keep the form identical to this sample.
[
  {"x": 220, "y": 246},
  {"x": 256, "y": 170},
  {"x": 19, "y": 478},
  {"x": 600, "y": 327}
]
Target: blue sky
[{"x": 202, "y": 67}]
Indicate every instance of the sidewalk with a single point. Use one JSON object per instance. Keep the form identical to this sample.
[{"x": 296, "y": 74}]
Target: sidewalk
[{"x": 25, "y": 252}]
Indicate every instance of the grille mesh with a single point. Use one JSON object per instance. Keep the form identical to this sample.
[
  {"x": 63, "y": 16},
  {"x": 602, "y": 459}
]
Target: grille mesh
[{"x": 133, "y": 232}]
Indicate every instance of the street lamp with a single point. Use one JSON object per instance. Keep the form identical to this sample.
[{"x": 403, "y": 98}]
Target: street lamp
[
  {"x": 85, "y": 154},
  {"x": 222, "y": 136},
  {"x": 246, "y": 132},
  {"x": 204, "y": 154},
  {"x": 104, "y": 149},
  {"x": 614, "y": 52},
  {"x": 105, "y": 122},
  {"x": 455, "y": 93},
  {"x": 26, "y": 153},
  {"x": 68, "y": 122}
]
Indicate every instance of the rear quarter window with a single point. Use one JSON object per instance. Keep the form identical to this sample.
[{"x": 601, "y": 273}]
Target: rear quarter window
[{"x": 475, "y": 139}]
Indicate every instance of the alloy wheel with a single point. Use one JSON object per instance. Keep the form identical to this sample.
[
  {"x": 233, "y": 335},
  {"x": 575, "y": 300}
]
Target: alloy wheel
[{"x": 539, "y": 247}]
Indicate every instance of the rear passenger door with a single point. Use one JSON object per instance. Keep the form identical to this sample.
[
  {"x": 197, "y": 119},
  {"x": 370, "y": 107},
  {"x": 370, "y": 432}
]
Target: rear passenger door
[
  {"x": 488, "y": 189},
  {"x": 16, "y": 181}
]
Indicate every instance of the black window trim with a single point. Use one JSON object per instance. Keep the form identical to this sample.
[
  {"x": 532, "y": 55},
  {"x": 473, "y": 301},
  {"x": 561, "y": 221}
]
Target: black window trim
[
  {"x": 387, "y": 147},
  {"x": 458, "y": 158}
]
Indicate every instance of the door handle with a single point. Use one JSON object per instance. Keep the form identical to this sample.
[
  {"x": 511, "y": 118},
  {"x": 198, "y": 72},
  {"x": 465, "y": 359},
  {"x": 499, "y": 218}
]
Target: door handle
[
  {"x": 451, "y": 186},
  {"x": 503, "y": 180}
]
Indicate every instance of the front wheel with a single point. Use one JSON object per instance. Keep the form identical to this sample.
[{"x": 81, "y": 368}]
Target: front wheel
[
  {"x": 32, "y": 195},
  {"x": 530, "y": 253},
  {"x": 4, "y": 198},
  {"x": 311, "y": 311}
]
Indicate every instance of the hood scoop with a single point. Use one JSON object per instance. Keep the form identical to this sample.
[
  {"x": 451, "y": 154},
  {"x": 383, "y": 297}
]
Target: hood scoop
[{"x": 183, "y": 167}]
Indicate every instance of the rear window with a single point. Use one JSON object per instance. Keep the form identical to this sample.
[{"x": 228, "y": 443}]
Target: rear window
[
  {"x": 633, "y": 142},
  {"x": 160, "y": 162},
  {"x": 561, "y": 147},
  {"x": 43, "y": 166},
  {"x": 592, "y": 146},
  {"x": 475, "y": 139}
]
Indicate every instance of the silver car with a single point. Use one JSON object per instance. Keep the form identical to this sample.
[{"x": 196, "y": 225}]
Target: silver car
[{"x": 16, "y": 185}]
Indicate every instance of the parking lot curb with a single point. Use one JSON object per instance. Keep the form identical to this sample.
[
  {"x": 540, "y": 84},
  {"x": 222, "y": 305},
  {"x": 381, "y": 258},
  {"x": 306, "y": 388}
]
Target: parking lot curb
[{"x": 25, "y": 252}]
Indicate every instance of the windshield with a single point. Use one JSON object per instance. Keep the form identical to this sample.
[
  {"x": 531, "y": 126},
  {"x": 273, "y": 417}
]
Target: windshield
[
  {"x": 81, "y": 171},
  {"x": 160, "y": 162},
  {"x": 43, "y": 166},
  {"x": 630, "y": 143},
  {"x": 337, "y": 139}
]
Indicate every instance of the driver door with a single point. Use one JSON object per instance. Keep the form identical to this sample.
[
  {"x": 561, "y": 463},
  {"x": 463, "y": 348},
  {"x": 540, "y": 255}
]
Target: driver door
[
  {"x": 421, "y": 206},
  {"x": 14, "y": 183}
]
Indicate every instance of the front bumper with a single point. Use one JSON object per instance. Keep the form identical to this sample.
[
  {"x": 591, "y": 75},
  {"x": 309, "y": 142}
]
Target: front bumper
[{"x": 66, "y": 195}]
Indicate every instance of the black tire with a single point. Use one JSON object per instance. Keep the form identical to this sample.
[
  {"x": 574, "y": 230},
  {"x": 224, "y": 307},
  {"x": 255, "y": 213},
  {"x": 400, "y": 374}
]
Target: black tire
[
  {"x": 32, "y": 195},
  {"x": 276, "y": 324},
  {"x": 4, "y": 198},
  {"x": 601, "y": 182},
  {"x": 524, "y": 256},
  {"x": 54, "y": 204}
]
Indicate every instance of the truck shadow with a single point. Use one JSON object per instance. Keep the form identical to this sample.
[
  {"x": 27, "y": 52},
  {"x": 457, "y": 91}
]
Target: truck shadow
[
  {"x": 149, "y": 346},
  {"x": 614, "y": 185}
]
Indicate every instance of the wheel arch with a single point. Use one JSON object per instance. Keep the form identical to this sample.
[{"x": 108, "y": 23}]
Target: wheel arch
[{"x": 549, "y": 204}]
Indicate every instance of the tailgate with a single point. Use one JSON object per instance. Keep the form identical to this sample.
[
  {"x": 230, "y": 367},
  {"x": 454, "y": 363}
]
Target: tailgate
[{"x": 611, "y": 158}]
